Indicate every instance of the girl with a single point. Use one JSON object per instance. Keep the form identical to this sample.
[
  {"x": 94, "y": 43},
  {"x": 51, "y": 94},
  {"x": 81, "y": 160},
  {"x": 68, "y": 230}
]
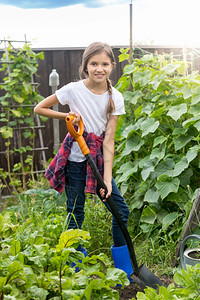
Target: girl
[{"x": 99, "y": 105}]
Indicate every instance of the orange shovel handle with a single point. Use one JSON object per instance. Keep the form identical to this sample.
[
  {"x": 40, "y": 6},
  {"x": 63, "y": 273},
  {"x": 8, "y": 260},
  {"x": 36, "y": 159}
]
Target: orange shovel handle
[{"x": 78, "y": 135}]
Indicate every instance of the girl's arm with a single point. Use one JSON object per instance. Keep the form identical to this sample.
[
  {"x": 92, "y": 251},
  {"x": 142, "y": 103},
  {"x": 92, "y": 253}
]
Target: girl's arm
[
  {"x": 108, "y": 153},
  {"x": 43, "y": 109}
]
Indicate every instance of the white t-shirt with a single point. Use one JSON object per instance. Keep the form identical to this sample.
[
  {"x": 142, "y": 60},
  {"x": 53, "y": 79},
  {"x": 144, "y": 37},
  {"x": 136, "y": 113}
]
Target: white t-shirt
[{"x": 91, "y": 107}]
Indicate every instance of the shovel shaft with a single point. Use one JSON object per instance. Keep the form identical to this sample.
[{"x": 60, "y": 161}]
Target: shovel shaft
[{"x": 114, "y": 212}]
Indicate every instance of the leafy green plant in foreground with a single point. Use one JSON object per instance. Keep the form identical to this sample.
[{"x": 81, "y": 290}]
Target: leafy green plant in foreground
[
  {"x": 187, "y": 287},
  {"x": 157, "y": 164},
  {"x": 36, "y": 252}
]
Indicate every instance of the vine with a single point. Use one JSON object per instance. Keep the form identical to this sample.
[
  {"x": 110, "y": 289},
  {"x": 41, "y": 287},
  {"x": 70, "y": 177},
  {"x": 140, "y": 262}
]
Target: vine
[
  {"x": 18, "y": 125},
  {"x": 157, "y": 162}
]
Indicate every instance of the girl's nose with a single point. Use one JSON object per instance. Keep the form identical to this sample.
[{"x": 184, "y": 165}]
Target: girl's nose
[{"x": 99, "y": 68}]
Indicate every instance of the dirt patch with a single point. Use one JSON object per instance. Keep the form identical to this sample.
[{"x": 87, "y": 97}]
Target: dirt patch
[{"x": 131, "y": 290}]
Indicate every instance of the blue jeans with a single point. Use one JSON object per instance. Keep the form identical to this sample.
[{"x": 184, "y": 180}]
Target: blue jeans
[{"x": 75, "y": 183}]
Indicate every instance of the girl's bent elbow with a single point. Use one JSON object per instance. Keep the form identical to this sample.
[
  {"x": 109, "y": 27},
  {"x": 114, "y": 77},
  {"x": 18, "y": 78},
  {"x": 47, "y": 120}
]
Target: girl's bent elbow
[{"x": 36, "y": 110}]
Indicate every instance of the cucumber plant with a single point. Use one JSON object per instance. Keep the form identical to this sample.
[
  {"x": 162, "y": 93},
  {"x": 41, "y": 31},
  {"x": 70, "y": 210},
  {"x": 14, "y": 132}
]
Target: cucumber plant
[{"x": 157, "y": 163}]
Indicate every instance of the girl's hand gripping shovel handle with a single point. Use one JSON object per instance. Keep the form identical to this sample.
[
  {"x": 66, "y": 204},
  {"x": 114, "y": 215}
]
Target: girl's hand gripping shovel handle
[
  {"x": 78, "y": 135},
  {"x": 144, "y": 276}
]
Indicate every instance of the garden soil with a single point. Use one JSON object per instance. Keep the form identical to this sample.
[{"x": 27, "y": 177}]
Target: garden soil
[{"x": 131, "y": 290}]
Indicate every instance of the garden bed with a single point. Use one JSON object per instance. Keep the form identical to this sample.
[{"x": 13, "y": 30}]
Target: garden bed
[{"x": 131, "y": 290}]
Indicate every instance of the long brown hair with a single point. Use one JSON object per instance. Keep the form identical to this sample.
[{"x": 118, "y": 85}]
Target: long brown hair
[{"x": 91, "y": 50}]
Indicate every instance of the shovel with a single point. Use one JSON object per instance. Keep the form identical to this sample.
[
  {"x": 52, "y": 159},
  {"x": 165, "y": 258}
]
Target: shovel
[{"x": 141, "y": 275}]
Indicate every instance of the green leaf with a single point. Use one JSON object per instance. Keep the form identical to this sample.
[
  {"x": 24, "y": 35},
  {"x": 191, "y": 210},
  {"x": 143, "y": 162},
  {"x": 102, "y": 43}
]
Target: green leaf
[
  {"x": 2, "y": 282},
  {"x": 195, "y": 109},
  {"x": 181, "y": 141},
  {"x": 129, "y": 69},
  {"x": 158, "y": 153},
  {"x": 132, "y": 97},
  {"x": 175, "y": 112},
  {"x": 156, "y": 98},
  {"x": 161, "y": 214},
  {"x": 123, "y": 83},
  {"x": 185, "y": 178},
  {"x": 156, "y": 81},
  {"x": 171, "y": 68},
  {"x": 128, "y": 130},
  {"x": 149, "y": 126},
  {"x": 40, "y": 55},
  {"x": 31, "y": 69},
  {"x": 124, "y": 187},
  {"x": 138, "y": 111},
  {"x": 137, "y": 203},
  {"x": 147, "y": 58},
  {"x": 126, "y": 170},
  {"x": 15, "y": 247},
  {"x": 38, "y": 293},
  {"x": 157, "y": 113},
  {"x": 192, "y": 153},
  {"x": 115, "y": 274},
  {"x": 2, "y": 98},
  {"x": 145, "y": 228},
  {"x": 27, "y": 134},
  {"x": 18, "y": 99},
  {"x": 148, "y": 215},
  {"x": 167, "y": 185},
  {"x": 147, "y": 169},
  {"x": 179, "y": 278},
  {"x": 159, "y": 140},
  {"x": 16, "y": 113},
  {"x": 126, "y": 175},
  {"x": 7, "y": 132},
  {"x": 136, "y": 95},
  {"x": 190, "y": 121},
  {"x": 125, "y": 167},
  {"x": 5, "y": 222},
  {"x": 14, "y": 270},
  {"x": 151, "y": 196},
  {"x": 123, "y": 56},
  {"x": 178, "y": 131},
  {"x": 180, "y": 167},
  {"x": 142, "y": 77},
  {"x": 169, "y": 219},
  {"x": 185, "y": 91},
  {"x": 27, "y": 88},
  {"x": 147, "y": 108},
  {"x": 71, "y": 237},
  {"x": 197, "y": 125},
  {"x": 165, "y": 293},
  {"x": 134, "y": 143},
  {"x": 195, "y": 99}
]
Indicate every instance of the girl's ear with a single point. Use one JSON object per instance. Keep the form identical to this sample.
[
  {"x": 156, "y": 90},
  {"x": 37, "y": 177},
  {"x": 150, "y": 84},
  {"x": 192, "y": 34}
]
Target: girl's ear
[{"x": 114, "y": 65}]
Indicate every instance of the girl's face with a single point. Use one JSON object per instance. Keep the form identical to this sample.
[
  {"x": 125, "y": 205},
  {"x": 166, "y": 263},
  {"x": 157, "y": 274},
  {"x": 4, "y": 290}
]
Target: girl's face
[{"x": 99, "y": 67}]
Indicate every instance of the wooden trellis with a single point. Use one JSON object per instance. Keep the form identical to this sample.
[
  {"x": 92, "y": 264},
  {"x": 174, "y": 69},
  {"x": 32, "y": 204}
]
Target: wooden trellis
[{"x": 18, "y": 130}]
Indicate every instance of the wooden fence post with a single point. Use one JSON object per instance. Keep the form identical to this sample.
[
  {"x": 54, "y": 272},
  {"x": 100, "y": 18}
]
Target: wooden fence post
[{"x": 192, "y": 222}]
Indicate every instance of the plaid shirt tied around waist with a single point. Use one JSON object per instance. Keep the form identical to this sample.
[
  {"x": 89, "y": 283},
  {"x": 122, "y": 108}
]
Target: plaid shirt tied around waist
[{"x": 56, "y": 170}]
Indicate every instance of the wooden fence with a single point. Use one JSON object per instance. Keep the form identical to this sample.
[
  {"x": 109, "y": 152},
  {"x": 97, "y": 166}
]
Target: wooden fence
[{"x": 66, "y": 61}]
